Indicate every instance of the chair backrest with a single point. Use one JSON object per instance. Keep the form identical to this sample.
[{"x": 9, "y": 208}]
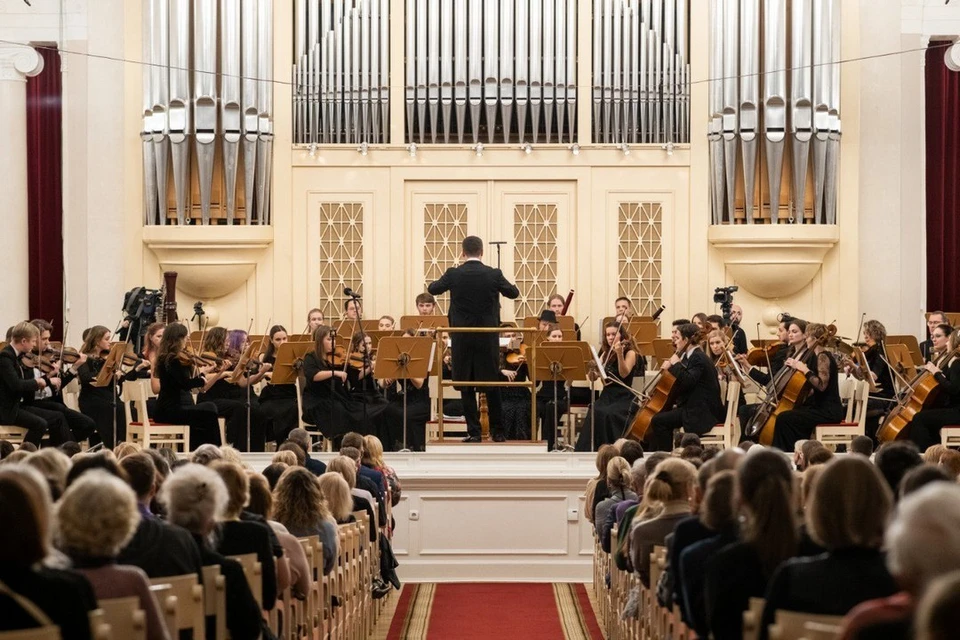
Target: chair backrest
[
  {"x": 71, "y": 394},
  {"x": 848, "y": 388},
  {"x": 254, "y": 573},
  {"x": 99, "y": 629},
  {"x": 125, "y": 617},
  {"x": 215, "y": 598},
  {"x": 189, "y": 596},
  {"x": 303, "y": 425},
  {"x": 41, "y": 633},
  {"x": 168, "y": 605},
  {"x": 751, "y": 619},
  {"x": 794, "y": 625},
  {"x": 859, "y": 400},
  {"x": 733, "y": 403}
]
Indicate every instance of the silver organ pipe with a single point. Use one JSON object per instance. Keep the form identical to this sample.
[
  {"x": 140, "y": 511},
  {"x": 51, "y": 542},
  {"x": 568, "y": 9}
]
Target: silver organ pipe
[
  {"x": 522, "y": 66},
  {"x": 459, "y": 66},
  {"x": 206, "y": 85},
  {"x": 561, "y": 66},
  {"x": 549, "y": 72},
  {"x": 446, "y": 65},
  {"x": 491, "y": 64},
  {"x": 506, "y": 63},
  {"x": 433, "y": 62},
  {"x": 641, "y": 71},
  {"x": 790, "y": 97},
  {"x": 536, "y": 65}
]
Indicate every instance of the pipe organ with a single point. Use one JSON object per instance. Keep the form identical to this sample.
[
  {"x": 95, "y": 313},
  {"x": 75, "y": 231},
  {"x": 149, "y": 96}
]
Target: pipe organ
[
  {"x": 791, "y": 103},
  {"x": 641, "y": 71},
  {"x": 190, "y": 108}
]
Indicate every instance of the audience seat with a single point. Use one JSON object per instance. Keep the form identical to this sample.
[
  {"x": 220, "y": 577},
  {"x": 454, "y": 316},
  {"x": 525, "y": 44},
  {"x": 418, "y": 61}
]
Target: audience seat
[
  {"x": 43, "y": 633},
  {"x": 950, "y": 436},
  {"x": 751, "y": 619},
  {"x": 168, "y": 604},
  {"x": 125, "y": 617},
  {"x": 189, "y": 600},
  {"x": 215, "y": 599},
  {"x": 726, "y": 434},
  {"x": 791, "y": 625}
]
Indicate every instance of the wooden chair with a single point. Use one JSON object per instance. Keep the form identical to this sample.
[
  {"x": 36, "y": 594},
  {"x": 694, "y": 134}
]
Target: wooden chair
[
  {"x": 41, "y": 633},
  {"x": 168, "y": 604},
  {"x": 143, "y": 431},
  {"x": 856, "y": 392},
  {"x": 312, "y": 429},
  {"x": 99, "y": 629},
  {"x": 189, "y": 602},
  {"x": 793, "y": 625},
  {"x": 254, "y": 574},
  {"x": 215, "y": 599},
  {"x": 751, "y": 619},
  {"x": 125, "y": 617},
  {"x": 950, "y": 436},
  {"x": 725, "y": 434},
  {"x": 317, "y": 605}
]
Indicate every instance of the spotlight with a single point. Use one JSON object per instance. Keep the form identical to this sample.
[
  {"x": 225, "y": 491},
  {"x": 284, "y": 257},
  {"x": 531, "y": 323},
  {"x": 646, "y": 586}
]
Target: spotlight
[
  {"x": 625, "y": 148},
  {"x": 363, "y": 148},
  {"x": 412, "y": 150},
  {"x": 478, "y": 148},
  {"x": 527, "y": 148},
  {"x": 575, "y": 149}
]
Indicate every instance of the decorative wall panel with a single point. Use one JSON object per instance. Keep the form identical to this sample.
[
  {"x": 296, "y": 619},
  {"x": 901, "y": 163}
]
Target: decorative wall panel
[
  {"x": 444, "y": 228},
  {"x": 639, "y": 263},
  {"x": 535, "y": 256},
  {"x": 341, "y": 253}
]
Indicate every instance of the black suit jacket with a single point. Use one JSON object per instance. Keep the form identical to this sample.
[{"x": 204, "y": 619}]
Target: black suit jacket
[
  {"x": 162, "y": 550},
  {"x": 698, "y": 392},
  {"x": 14, "y": 385},
  {"x": 474, "y": 302}
]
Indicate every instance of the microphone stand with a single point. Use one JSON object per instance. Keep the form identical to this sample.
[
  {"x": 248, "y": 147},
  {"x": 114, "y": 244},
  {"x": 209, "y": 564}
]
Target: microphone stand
[{"x": 358, "y": 322}]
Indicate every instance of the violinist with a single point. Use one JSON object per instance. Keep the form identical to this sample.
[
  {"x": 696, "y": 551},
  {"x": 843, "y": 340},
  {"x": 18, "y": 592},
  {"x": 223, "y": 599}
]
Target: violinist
[
  {"x": 179, "y": 373},
  {"x": 935, "y": 319},
  {"x": 426, "y": 304},
  {"x": 51, "y": 398},
  {"x": 822, "y": 405},
  {"x": 360, "y": 366},
  {"x": 613, "y": 408},
  {"x": 151, "y": 346},
  {"x": 17, "y": 384},
  {"x": 515, "y": 401},
  {"x": 548, "y": 412},
  {"x": 278, "y": 402},
  {"x": 926, "y": 425},
  {"x": 326, "y": 403},
  {"x": 700, "y": 319},
  {"x": 102, "y": 404},
  {"x": 386, "y": 323},
  {"x": 698, "y": 404},
  {"x": 874, "y": 335},
  {"x": 792, "y": 342},
  {"x": 231, "y": 398},
  {"x": 622, "y": 308},
  {"x": 351, "y": 309},
  {"x": 417, "y": 392},
  {"x": 314, "y": 320}
]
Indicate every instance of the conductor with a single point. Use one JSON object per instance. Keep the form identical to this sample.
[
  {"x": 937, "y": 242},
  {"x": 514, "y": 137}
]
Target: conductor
[{"x": 474, "y": 289}]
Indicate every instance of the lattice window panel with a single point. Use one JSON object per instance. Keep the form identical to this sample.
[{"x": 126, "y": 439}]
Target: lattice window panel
[
  {"x": 444, "y": 228},
  {"x": 341, "y": 253},
  {"x": 639, "y": 263},
  {"x": 535, "y": 256}
]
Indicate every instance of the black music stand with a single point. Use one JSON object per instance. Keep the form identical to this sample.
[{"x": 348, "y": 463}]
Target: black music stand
[
  {"x": 403, "y": 358},
  {"x": 558, "y": 362}
]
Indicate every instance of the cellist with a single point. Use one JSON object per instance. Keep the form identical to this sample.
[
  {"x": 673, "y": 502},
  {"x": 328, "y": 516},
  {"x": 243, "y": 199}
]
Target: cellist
[
  {"x": 822, "y": 404},
  {"x": 698, "y": 405},
  {"x": 793, "y": 341},
  {"x": 925, "y": 426}
]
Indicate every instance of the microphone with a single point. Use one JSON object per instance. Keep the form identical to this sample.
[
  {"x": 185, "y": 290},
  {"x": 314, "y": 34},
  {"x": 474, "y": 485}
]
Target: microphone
[
  {"x": 497, "y": 242},
  {"x": 350, "y": 293}
]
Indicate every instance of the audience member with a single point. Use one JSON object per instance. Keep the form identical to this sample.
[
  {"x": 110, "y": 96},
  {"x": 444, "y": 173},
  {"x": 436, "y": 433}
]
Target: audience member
[
  {"x": 921, "y": 476},
  {"x": 299, "y": 506},
  {"x": 597, "y": 487},
  {"x": 103, "y": 460},
  {"x": 336, "y": 492},
  {"x": 273, "y": 471},
  {"x": 950, "y": 462},
  {"x": 261, "y": 504},
  {"x": 124, "y": 449},
  {"x": 205, "y": 454},
  {"x": 862, "y": 445},
  {"x": 894, "y": 460},
  {"x": 298, "y": 451},
  {"x": 53, "y": 465},
  {"x": 632, "y": 450},
  {"x": 820, "y": 455},
  {"x": 69, "y": 448},
  {"x": 618, "y": 482},
  {"x": 938, "y": 616},
  {"x": 287, "y": 457},
  {"x": 6, "y": 448},
  {"x": 301, "y": 438}
]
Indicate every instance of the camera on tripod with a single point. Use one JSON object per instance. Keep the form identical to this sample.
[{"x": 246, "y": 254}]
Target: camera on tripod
[{"x": 724, "y": 297}]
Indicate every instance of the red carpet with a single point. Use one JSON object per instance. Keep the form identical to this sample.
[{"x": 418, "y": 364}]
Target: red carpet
[{"x": 494, "y": 610}]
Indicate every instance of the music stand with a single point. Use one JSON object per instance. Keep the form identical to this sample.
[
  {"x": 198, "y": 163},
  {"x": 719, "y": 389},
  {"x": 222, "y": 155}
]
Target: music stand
[
  {"x": 861, "y": 359},
  {"x": 567, "y": 323},
  {"x": 377, "y": 336},
  {"x": 289, "y": 362},
  {"x": 300, "y": 337},
  {"x": 763, "y": 344},
  {"x": 901, "y": 358},
  {"x": 403, "y": 358},
  {"x": 663, "y": 349},
  {"x": 555, "y": 362},
  {"x": 423, "y": 322},
  {"x": 913, "y": 347},
  {"x": 107, "y": 376}
]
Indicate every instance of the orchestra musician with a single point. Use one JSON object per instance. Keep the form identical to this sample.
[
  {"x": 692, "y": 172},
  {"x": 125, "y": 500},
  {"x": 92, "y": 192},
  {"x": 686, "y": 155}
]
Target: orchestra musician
[
  {"x": 278, "y": 402},
  {"x": 426, "y": 304},
  {"x": 417, "y": 392},
  {"x": 386, "y": 323},
  {"x": 548, "y": 413},
  {"x": 515, "y": 400},
  {"x": 360, "y": 380},
  {"x": 700, "y": 319},
  {"x": 926, "y": 424},
  {"x": 613, "y": 408},
  {"x": 103, "y": 404},
  {"x": 933, "y": 320},
  {"x": 555, "y": 303},
  {"x": 314, "y": 320},
  {"x": 874, "y": 336},
  {"x": 822, "y": 404},
  {"x": 326, "y": 402},
  {"x": 179, "y": 374},
  {"x": 739, "y": 336},
  {"x": 351, "y": 309},
  {"x": 622, "y": 308},
  {"x": 792, "y": 341},
  {"x": 474, "y": 290},
  {"x": 17, "y": 384},
  {"x": 698, "y": 403}
]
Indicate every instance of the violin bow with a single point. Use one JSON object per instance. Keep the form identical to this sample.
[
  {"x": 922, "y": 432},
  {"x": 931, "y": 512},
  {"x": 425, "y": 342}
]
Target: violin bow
[{"x": 606, "y": 359}]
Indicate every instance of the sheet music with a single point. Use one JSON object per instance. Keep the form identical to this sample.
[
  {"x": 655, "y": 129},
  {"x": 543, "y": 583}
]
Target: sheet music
[{"x": 600, "y": 367}]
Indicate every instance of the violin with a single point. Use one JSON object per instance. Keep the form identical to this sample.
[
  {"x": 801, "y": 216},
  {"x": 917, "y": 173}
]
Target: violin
[
  {"x": 337, "y": 357},
  {"x": 35, "y": 361},
  {"x": 69, "y": 355},
  {"x": 516, "y": 357},
  {"x": 206, "y": 359},
  {"x": 760, "y": 356}
]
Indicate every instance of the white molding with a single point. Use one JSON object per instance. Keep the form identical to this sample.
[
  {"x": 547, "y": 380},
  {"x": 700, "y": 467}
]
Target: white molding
[{"x": 19, "y": 62}]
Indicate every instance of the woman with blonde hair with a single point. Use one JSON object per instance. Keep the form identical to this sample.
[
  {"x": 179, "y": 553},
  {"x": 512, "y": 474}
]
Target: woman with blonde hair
[
  {"x": 261, "y": 504},
  {"x": 373, "y": 459},
  {"x": 299, "y": 505},
  {"x": 336, "y": 491},
  {"x": 671, "y": 484},
  {"x": 618, "y": 482},
  {"x": 597, "y": 487}
]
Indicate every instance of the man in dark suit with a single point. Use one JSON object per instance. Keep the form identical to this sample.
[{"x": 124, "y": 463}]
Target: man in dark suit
[
  {"x": 16, "y": 384},
  {"x": 474, "y": 289},
  {"x": 697, "y": 389}
]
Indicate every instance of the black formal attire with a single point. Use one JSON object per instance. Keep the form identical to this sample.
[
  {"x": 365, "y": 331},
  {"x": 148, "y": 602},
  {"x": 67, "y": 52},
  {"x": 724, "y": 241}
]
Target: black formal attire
[
  {"x": 732, "y": 576},
  {"x": 515, "y": 401},
  {"x": 162, "y": 550},
  {"x": 175, "y": 402},
  {"x": 474, "y": 289},
  {"x": 328, "y": 405},
  {"x": 925, "y": 427},
  {"x": 314, "y": 466},
  {"x": 611, "y": 412},
  {"x": 451, "y": 406},
  {"x": 877, "y": 408},
  {"x": 17, "y": 384},
  {"x": 237, "y": 538},
  {"x": 278, "y": 403},
  {"x": 822, "y": 405},
  {"x": 244, "y": 619},
  {"x": 231, "y": 402},
  {"x": 687, "y": 532},
  {"x": 690, "y": 577},
  {"x": 50, "y": 399},
  {"x": 739, "y": 340},
  {"x": 550, "y": 413},
  {"x": 65, "y": 596},
  {"x": 926, "y": 349},
  {"x": 418, "y": 413},
  {"x": 698, "y": 408},
  {"x": 746, "y": 411},
  {"x": 102, "y": 404},
  {"x": 830, "y": 584}
]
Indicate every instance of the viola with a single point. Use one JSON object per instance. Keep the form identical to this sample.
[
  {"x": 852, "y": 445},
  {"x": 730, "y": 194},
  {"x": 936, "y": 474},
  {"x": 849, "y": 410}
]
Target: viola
[{"x": 786, "y": 390}]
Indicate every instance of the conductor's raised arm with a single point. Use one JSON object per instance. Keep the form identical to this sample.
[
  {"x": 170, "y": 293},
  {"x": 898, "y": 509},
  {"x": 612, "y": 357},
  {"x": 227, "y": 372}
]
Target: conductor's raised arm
[
  {"x": 440, "y": 286},
  {"x": 507, "y": 289}
]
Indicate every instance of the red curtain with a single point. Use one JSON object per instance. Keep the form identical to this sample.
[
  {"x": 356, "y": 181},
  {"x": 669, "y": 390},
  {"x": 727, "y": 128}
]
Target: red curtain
[{"x": 44, "y": 154}]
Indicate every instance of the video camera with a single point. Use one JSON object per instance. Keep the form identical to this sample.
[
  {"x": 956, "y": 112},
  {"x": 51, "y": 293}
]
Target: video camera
[
  {"x": 140, "y": 308},
  {"x": 724, "y": 297}
]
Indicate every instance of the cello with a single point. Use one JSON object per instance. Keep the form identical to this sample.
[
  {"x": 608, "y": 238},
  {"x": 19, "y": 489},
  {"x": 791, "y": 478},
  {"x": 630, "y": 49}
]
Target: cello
[
  {"x": 785, "y": 391},
  {"x": 659, "y": 395},
  {"x": 921, "y": 393}
]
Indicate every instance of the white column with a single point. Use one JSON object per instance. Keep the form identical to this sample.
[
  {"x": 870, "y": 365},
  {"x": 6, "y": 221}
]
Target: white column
[{"x": 17, "y": 62}]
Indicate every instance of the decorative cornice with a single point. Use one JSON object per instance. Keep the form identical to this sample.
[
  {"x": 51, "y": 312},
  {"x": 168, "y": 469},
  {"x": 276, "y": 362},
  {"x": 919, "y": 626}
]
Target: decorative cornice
[{"x": 19, "y": 61}]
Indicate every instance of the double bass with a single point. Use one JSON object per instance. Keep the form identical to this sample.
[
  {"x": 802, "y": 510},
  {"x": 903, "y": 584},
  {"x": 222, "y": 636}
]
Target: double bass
[
  {"x": 920, "y": 394},
  {"x": 785, "y": 391}
]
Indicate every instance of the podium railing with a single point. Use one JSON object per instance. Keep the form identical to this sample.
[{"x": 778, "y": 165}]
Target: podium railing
[{"x": 531, "y": 382}]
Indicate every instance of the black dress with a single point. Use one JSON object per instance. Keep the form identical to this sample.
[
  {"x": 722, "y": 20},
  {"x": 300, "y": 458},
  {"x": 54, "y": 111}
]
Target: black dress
[
  {"x": 548, "y": 413},
  {"x": 278, "y": 404},
  {"x": 231, "y": 402},
  {"x": 328, "y": 405},
  {"x": 822, "y": 405},
  {"x": 746, "y": 411},
  {"x": 100, "y": 404},
  {"x": 175, "y": 403},
  {"x": 390, "y": 429},
  {"x": 610, "y": 413},
  {"x": 877, "y": 407},
  {"x": 926, "y": 425},
  {"x": 516, "y": 407}
]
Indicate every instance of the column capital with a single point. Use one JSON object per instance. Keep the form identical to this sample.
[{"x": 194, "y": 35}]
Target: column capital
[{"x": 19, "y": 61}]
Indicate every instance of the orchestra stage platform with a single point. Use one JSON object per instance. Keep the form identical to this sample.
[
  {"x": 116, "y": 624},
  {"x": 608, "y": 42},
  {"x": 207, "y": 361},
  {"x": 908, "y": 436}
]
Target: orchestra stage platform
[{"x": 497, "y": 512}]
